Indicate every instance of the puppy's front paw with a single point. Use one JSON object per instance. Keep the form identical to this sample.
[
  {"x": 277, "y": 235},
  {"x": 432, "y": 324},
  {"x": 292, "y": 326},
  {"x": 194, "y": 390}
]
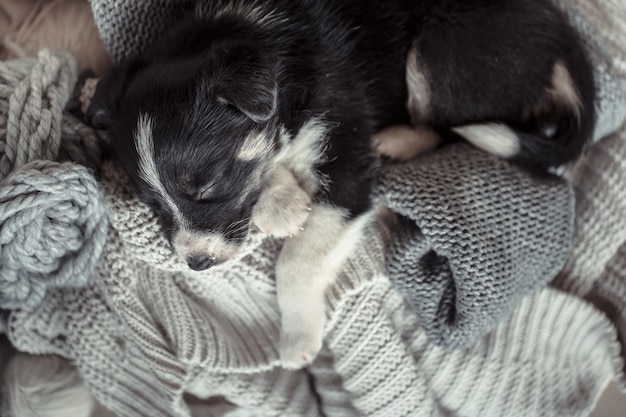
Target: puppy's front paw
[
  {"x": 282, "y": 208},
  {"x": 298, "y": 348},
  {"x": 401, "y": 143}
]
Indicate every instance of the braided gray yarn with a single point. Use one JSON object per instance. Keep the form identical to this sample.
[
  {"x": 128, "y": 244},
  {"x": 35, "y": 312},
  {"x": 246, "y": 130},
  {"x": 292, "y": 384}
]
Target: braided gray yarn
[
  {"x": 32, "y": 95},
  {"x": 52, "y": 215}
]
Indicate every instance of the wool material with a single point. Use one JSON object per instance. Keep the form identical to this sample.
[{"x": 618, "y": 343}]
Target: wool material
[
  {"x": 146, "y": 332},
  {"x": 53, "y": 218},
  {"x": 479, "y": 234}
]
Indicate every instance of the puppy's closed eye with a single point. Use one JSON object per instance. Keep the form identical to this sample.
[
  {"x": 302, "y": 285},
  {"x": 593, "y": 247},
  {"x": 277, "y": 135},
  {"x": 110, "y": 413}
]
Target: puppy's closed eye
[
  {"x": 207, "y": 193},
  {"x": 214, "y": 193}
]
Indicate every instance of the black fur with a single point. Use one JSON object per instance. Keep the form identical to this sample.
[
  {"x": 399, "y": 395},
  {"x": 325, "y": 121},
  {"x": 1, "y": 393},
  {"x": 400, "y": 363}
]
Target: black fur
[{"x": 211, "y": 80}]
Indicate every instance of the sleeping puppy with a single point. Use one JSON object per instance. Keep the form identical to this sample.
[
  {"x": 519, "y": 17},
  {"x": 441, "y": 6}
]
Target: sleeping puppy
[{"x": 262, "y": 112}]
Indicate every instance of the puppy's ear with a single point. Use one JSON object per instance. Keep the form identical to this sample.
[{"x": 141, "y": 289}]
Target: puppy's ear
[
  {"x": 248, "y": 82},
  {"x": 103, "y": 107}
]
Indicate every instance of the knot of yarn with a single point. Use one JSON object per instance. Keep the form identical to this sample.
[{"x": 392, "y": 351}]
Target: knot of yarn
[
  {"x": 33, "y": 92},
  {"x": 53, "y": 228}
]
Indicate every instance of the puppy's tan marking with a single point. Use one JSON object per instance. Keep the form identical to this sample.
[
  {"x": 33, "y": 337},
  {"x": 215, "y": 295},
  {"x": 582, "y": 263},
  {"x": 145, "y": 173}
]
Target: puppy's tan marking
[
  {"x": 562, "y": 94},
  {"x": 256, "y": 146},
  {"x": 402, "y": 143},
  {"x": 418, "y": 88},
  {"x": 564, "y": 90}
]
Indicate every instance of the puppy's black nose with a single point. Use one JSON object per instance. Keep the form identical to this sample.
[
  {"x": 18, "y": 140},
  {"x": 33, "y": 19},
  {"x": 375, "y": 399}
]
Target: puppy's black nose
[{"x": 200, "y": 263}]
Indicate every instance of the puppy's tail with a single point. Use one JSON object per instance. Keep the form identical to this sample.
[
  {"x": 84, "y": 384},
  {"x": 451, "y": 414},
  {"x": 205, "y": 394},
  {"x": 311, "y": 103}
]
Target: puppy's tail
[{"x": 555, "y": 131}]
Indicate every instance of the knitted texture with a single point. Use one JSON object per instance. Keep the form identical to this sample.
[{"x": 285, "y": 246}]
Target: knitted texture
[
  {"x": 128, "y": 26},
  {"x": 52, "y": 216},
  {"x": 146, "y": 330},
  {"x": 485, "y": 234}
]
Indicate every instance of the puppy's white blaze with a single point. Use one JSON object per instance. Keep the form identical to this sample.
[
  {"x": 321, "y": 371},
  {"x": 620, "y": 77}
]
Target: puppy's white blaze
[
  {"x": 418, "y": 88},
  {"x": 256, "y": 146},
  {"x": 494, "y": 138},
  {"x": 188, "y": 243},
  {"x": 147, "y": 165},
  {"x": 564, "y": 89}
]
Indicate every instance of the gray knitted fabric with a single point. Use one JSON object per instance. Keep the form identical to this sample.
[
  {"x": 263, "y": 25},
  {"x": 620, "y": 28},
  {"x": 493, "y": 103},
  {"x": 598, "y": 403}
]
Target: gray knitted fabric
[
  {"x": 481, "y": 233},
  {"x": 52, "y": 215},
  {"x": 128, "y": 26}
]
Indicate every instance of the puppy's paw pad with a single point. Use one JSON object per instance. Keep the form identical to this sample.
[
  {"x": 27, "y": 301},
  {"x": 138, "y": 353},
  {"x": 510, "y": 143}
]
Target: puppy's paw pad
[
  {"x": 282, "y": 212},
  {"x": 298, "y": 350}
]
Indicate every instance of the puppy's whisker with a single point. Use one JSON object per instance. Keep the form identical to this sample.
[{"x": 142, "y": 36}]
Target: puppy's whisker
[{"x": 238, "y": 226}]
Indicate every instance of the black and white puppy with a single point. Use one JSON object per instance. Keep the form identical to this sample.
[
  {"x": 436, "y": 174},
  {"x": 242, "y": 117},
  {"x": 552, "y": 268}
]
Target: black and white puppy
[{"x": 263, "y": 112}]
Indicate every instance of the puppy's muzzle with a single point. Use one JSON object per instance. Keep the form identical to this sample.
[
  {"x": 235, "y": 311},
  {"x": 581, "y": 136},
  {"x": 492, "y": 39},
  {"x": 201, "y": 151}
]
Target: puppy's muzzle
[
  {"x": 202, "y": 251},
  {"x": 201, "y": 263}
]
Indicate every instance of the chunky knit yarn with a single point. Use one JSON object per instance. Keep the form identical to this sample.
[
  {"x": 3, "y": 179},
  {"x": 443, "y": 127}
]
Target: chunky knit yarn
[
  {"x": 146, "y": 331},
  {"x": 52, "y": 215}
]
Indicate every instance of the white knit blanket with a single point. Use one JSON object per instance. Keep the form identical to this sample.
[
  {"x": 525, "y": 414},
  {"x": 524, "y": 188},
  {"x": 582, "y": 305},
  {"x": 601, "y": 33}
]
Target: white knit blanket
[{"x": 146, "y": 330}]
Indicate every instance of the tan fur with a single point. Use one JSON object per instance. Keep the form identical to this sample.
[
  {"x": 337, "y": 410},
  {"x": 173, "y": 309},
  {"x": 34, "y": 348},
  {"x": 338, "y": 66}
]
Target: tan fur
[
  {"x": 418, "y": 87},
  {"x": 562, "y": 94},
  {"x": 402, "y": 143},
  {"x": 564, "y": 90},
  {"x": 256, "y": 146}
]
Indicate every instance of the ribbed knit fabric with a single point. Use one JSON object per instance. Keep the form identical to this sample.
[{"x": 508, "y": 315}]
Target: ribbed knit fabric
[{"x": 146, "y": 330}]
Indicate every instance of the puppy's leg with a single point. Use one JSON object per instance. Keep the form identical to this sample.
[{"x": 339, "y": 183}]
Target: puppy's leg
[
  {"x": 283, "y": 206},
  {"x": 307, "y": 265},
  {"x": 401, "y": 143}
]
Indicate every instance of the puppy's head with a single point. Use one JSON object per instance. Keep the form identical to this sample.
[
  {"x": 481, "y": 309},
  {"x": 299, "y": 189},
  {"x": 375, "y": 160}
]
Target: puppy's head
[{"x": 193, "y": 123}]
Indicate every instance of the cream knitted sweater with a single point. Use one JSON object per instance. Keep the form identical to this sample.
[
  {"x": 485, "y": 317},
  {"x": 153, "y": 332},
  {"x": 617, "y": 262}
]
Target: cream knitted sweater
[{"x": 146, "y": 331}]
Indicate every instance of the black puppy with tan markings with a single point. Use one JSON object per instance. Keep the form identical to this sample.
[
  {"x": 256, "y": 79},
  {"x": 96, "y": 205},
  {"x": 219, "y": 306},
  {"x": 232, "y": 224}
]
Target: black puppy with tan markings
[{"x": 262, "y": 112}]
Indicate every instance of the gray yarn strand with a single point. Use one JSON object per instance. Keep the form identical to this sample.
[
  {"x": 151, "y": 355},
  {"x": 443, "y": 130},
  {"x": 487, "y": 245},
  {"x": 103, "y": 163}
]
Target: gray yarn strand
[
  {"x": 52, "y": 233},
  {"x": 32, "y": 98},
  {"x": 53, "y": 218}
]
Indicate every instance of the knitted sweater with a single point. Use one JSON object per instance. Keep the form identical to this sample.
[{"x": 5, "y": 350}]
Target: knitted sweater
[{"x": 146, "y": 330}]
